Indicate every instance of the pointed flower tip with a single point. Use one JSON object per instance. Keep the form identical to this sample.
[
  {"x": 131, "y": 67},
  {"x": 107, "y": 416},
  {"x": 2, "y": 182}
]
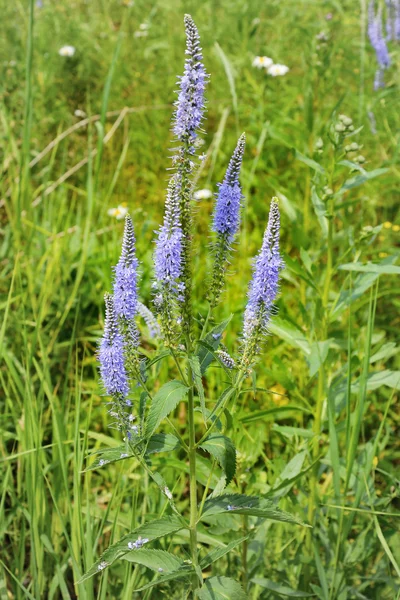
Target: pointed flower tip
[{"x": 126, "y": 275}]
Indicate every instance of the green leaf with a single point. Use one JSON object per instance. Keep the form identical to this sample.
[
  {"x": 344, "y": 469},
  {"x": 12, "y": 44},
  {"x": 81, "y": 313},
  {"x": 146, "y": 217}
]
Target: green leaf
[
  {"x": 361, "y": 284},
  {"x": 387, "y": 351},
  {"x": 310, "y": 162},
  {"x": 162, "y": 442},
  {"x": 320, "y": 211},
  {"x": 108, "y": 456},
  {"x": 196, "y": 371},
  {"x": 281, "y": 488},
  {"x": 213, "y": 339},
  {"x": 221, "y": 588},
  {"x": 182, "y": 573},
  {"x": 150, "y": 531},
  {"x": 158, "y": 560},
  {"x": 282, "y": 590},
  {"x": 297, "y": 269},
  {"x": 375, "y": 380},
  {"x": 239, "y": 504},
  {"x": 352, "y": 165},
  {"x": 290, "y": 432},
  {"x": 270, "y": 413},
  {"x": 223, "y": 450},
  {"x": 362, "y": 178},
  {"x": 164, "y": 401},
  {"x": 319, "y": 353},
  {"x": 381, "y": 269},
  {"x": 224, "y": 397},
  {"x": 218, "y": 553},
  {"x": 290, "y": 334}
]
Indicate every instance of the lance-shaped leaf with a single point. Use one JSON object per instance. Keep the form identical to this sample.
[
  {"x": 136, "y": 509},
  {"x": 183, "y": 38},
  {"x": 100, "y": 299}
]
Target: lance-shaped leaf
[
  {"x": 158, "y": 560},
  {"x": 223, "y": 450},
  {"x": 241, "y": 504},
  {"x": 159, "y": 442},
  {"x": 221, "y": 588},
  {"x": 149, "y": 531},
  {"x": 281, "y": 590},
  {"x": 212, "y": 339},
  {"x": 218, "y": 553},
  {"x": 164, "y": 401},
  {"x": 162, "y": 442},
  {"x": 109, "y": 455},
  {"x": 182, "y": 573}
]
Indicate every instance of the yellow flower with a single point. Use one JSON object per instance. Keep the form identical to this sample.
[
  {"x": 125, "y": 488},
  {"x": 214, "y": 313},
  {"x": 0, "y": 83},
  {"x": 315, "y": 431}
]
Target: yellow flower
[
  {"x": 382, "y": 254},
  {"x": 387, "y": 225},
  {"x": 396, "y": 228}
]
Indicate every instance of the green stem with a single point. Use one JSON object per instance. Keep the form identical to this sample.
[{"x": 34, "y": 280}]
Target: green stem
[
  {"x": 203, "y": 331},
  {"x": 193, "y": 491}
]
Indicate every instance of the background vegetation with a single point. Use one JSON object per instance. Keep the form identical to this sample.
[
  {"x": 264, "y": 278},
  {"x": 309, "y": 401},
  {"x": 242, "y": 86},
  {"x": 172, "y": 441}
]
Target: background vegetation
[{"x": 324, "y": 439}]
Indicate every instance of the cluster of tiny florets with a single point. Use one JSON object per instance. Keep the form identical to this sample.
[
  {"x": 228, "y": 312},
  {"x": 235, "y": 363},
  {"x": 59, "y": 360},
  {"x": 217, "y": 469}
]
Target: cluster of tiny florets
[
  {"x": 226, "y": 220},
  {"x": 125, "y": 282},
  {"x": 111, "y": 354},
  {"x": 149, "y": 319},
  {"x": 168, "y": 254},
  {"x": 190, "y": 103},
  {"x": 226, "y": 359},
  {"x": 265, "y": 283},
  {"x": 229, "y": 197}
]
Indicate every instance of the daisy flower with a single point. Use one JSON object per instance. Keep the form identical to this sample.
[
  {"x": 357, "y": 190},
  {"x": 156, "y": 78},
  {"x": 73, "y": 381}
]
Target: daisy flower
[
  {"x": 262, "y": 62},
  {"x": 119, "y": 213},
  {"x": 277, "y": 70},
  {"x": 66, "y": 51}
]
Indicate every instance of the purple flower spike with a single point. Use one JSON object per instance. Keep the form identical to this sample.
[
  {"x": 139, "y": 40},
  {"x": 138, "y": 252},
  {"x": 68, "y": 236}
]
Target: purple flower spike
[
  {"x": 397, "y": 20},
  {"x": 168, "y": 254},
  {"x": 111, "y": 354},
  {"x": 265, "y": 283},
  {"x": 227, "y": 209},
  {"x": 375, "y": 33},
  {"x": 190, "y": 103},
  {"x": 125, "y": 282}
]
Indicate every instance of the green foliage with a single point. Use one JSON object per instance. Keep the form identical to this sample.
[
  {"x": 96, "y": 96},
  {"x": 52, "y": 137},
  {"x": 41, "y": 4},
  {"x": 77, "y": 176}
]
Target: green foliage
[
  {"x": 164, "y": 402},
  {"x": 221, "y": 588},
  {"x": 223, "y": 450},
  {"x": 246, "y": 505},
  {"x": 150, "y": 531}
]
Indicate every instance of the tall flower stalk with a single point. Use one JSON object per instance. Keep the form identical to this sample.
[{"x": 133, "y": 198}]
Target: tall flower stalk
[
  {"x": 125, "y": 375},
  {"x": 188, "y": 116}
]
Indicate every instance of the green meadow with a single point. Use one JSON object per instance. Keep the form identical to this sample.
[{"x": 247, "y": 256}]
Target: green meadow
[{"x": 317, "y": 424}]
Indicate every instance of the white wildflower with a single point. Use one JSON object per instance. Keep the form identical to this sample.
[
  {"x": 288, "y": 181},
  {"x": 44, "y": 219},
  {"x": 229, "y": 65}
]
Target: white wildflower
[
  {"x": 66, "y": 51},
  {"x": 202, "y": 194},
  {"x": 262, "y": 62},
  {"x": 119, "y": 213},
  {"x": 277, "y": 70}
]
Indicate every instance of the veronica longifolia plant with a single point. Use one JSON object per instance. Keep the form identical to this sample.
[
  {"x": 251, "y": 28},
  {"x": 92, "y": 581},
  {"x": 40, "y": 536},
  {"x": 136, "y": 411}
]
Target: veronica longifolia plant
[{"x": 138, "y": 411}]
